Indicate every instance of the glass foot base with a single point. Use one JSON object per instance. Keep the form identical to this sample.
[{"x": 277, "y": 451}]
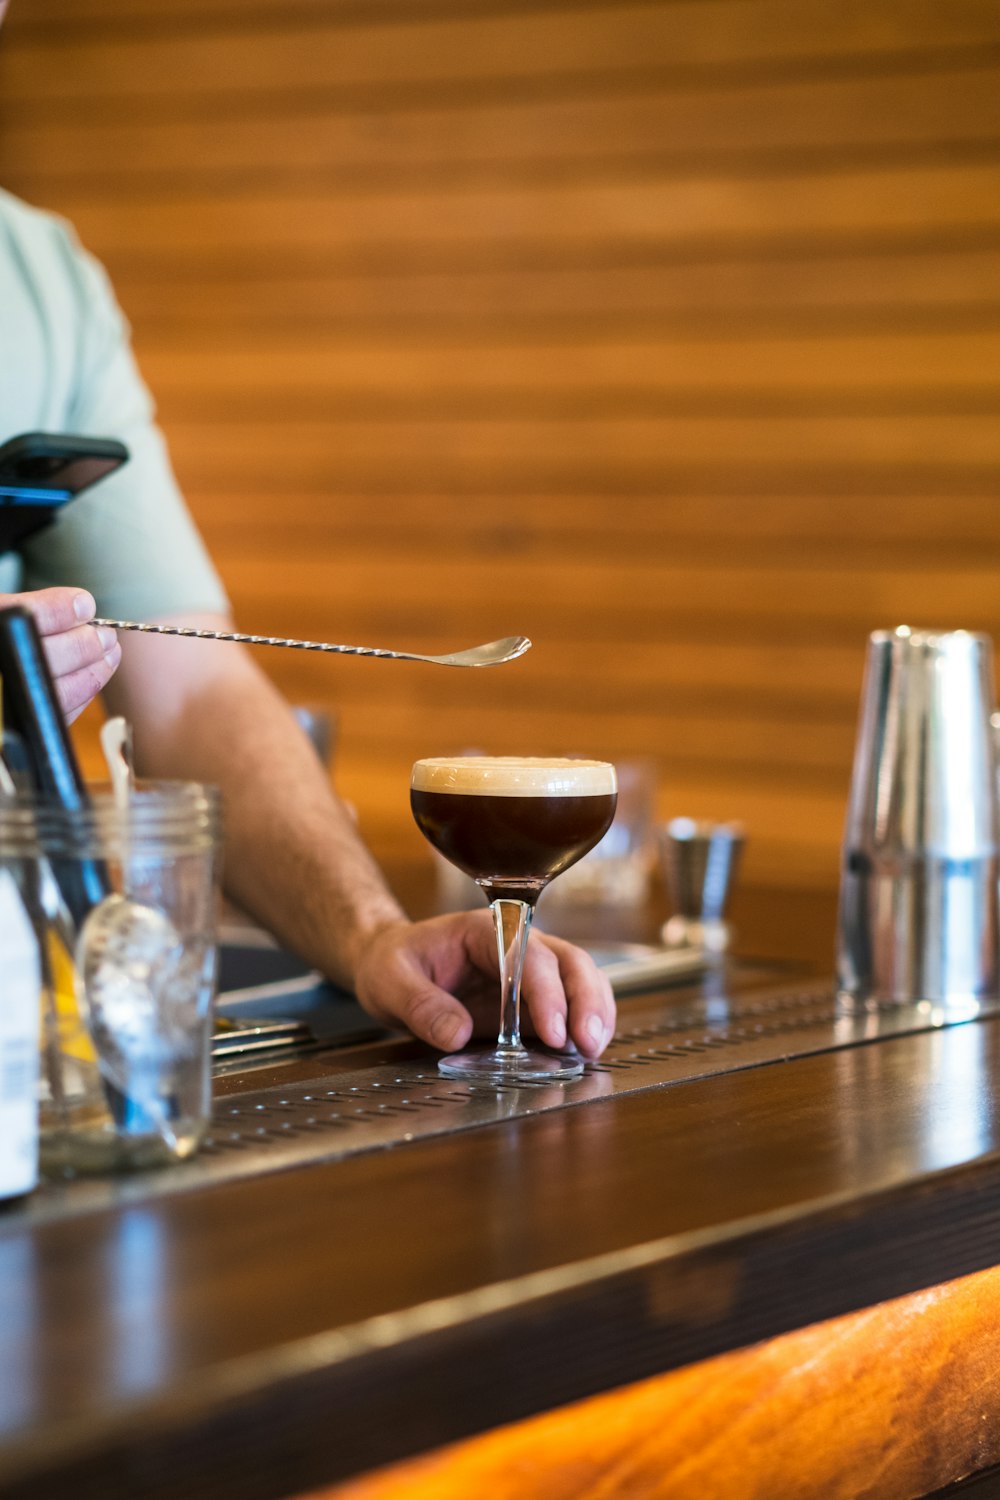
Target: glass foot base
[{"x": 510, "y": 1065}]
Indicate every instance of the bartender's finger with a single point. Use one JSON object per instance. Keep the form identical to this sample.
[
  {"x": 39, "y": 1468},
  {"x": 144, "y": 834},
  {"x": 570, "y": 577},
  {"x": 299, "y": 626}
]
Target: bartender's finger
[
  {"x": 55, "y": 609},
  {"x": 75, "y": 689},
  {"x": 87, "y": 646},
  {"x": 568, "y": 996}
]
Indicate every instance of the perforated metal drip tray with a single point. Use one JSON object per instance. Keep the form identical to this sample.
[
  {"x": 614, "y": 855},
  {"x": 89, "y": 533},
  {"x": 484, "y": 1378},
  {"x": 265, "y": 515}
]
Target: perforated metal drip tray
[
  {"x": 659, "y": 1042},
  {"x": 355, "y": 1100}
]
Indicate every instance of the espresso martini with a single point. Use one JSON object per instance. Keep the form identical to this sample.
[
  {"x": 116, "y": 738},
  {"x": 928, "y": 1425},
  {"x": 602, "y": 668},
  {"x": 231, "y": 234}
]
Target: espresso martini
[{"x": 512, "y": 824}]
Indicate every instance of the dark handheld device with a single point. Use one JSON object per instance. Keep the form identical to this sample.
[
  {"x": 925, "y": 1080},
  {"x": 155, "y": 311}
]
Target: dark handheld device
[
  {"x": 42, "y": 471},
  {"x": 31, "y": 708}
]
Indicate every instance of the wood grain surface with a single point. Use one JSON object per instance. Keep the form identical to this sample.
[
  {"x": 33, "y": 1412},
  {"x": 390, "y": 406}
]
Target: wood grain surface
[
  {"x": 888, "y": 1403},
  {"x": 666, "y": 334},
  {"x": 263, "y": 1336}
]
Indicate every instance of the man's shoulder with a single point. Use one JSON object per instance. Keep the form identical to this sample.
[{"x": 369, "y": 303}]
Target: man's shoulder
[
  {"x": 35, "y": 225},
  {"x": 39, "y": 249}
]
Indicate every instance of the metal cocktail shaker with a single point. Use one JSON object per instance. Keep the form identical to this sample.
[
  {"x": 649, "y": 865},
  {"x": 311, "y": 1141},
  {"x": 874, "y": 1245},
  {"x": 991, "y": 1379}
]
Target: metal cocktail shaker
[{"x": 919, "y": 896}]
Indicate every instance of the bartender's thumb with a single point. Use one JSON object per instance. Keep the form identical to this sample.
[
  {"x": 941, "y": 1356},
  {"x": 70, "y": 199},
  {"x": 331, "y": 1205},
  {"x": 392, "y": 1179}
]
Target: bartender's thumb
[
  {"x": 436, "y": 1017},
  {"x": 396, "y": 983}
]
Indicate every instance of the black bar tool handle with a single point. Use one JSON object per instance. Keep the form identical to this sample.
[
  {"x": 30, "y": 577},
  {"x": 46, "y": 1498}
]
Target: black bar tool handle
[{"x": 31, "y": 708}]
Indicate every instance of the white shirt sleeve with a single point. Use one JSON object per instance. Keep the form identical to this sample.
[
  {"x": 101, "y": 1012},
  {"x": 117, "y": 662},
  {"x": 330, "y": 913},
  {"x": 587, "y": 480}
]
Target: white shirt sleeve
[{"x": 130, "y": 540}]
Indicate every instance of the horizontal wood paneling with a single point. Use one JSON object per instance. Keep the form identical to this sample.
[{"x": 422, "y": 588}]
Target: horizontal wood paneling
[
  {"x": 651, "y": 588},
  {"x": 940, "y": 294},
  {"x": 652, "y": 209},
  {"x": 667, "y": 333},
  {"x": 473, "y": 452},
  {"x": 741, "y": 529},
  {"x": 841, "y": 371},
  {"x": 881, "y": 23},
  {"x": 299, "y": 52},
  {"x": 929, "y": 112}
]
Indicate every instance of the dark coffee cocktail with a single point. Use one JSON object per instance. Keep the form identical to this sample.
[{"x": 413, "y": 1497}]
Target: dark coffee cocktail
[{"x": 513, "y": 824}]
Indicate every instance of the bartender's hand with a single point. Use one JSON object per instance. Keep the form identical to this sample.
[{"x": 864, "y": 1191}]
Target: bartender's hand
[
  {"x": 439, "y": 979},
  {"x": 81, "y": 657}
]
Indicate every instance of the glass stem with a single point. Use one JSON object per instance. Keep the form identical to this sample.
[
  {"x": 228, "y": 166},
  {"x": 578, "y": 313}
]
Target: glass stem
[{"x": 511, "y": 919}]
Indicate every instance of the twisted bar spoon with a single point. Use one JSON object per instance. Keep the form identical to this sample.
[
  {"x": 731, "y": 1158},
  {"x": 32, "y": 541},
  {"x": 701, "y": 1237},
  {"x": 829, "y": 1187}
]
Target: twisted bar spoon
[{"x": 490, "y": 655}]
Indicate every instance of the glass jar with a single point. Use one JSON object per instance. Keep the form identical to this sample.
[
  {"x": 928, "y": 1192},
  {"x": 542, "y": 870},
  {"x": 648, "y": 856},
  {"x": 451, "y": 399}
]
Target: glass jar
[{"x": 123, "y": 895}]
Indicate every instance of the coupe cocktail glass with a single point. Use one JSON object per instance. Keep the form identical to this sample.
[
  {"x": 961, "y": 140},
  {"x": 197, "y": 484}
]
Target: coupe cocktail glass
[{"x": 512, "y": 824}]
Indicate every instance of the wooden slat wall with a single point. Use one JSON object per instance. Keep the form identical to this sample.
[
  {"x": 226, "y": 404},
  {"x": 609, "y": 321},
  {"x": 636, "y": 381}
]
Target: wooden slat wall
[{"x": 667, "y": 333}]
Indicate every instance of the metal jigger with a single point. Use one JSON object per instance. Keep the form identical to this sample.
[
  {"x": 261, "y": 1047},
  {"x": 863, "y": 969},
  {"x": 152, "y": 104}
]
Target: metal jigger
[{"x": 699, "y": 862}]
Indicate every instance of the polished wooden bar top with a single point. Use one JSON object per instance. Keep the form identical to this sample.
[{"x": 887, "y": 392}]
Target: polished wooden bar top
[
  {"x": 285, "y": 1330},
  {"x": 896, "y": 1401}
]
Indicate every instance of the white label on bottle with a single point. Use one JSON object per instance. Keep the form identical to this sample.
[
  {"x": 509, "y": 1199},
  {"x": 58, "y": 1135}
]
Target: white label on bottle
[{"x": 20, "y": 984}]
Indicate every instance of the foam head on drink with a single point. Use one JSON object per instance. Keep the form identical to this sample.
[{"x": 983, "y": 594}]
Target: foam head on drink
[{"x": 513, "y": 823}]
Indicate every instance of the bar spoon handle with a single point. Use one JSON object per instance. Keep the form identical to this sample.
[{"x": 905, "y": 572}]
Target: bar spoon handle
[{"x": 489, "y": 655}]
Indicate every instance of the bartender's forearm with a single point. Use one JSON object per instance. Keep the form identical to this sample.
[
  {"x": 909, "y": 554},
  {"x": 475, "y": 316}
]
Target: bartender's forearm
[{"x": 293, "y": 858}]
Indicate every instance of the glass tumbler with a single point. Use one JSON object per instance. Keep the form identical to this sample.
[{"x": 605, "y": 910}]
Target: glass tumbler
[{"x": 123, "y": 895}]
